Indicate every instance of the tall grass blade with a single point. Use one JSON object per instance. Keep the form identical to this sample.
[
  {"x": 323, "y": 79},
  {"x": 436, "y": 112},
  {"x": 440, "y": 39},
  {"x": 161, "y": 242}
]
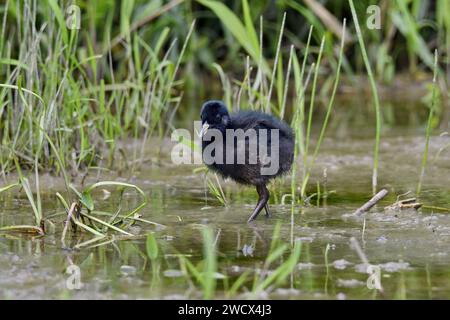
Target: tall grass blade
[
  {"x": 375, "y": 97},
  {"x": 429, "y": 122}
]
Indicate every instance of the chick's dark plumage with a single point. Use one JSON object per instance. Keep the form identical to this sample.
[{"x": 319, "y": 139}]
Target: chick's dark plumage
[{"x": 214, "y": 115}]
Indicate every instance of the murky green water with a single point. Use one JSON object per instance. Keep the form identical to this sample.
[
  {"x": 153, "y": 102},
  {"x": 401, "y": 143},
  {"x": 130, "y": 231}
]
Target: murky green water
[{"x": 412, "y": 248}]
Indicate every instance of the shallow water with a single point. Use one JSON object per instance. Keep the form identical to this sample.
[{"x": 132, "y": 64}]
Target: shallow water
[{"x": 410, "y": 247}]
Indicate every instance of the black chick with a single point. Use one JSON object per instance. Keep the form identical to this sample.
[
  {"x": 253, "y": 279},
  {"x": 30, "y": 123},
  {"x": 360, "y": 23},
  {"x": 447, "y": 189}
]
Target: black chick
[{"x": 214, "y": 115}]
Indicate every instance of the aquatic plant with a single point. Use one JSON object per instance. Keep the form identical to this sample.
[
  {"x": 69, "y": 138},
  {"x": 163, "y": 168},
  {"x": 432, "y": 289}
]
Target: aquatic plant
[{"x": 81, "y": 213}]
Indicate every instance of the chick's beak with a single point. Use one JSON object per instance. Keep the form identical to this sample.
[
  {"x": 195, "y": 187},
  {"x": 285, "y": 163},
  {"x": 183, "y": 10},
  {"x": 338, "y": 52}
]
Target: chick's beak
[{"x": 203, "y": 130}]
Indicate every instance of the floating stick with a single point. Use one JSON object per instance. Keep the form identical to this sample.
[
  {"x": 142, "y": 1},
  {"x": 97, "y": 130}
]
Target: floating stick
[{"x": 369, "y": 204}]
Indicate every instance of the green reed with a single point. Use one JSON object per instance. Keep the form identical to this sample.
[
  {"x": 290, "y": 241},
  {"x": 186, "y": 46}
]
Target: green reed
[
  {"x": 374, "y": 95},
  {"x": 429, "y": 125}
]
